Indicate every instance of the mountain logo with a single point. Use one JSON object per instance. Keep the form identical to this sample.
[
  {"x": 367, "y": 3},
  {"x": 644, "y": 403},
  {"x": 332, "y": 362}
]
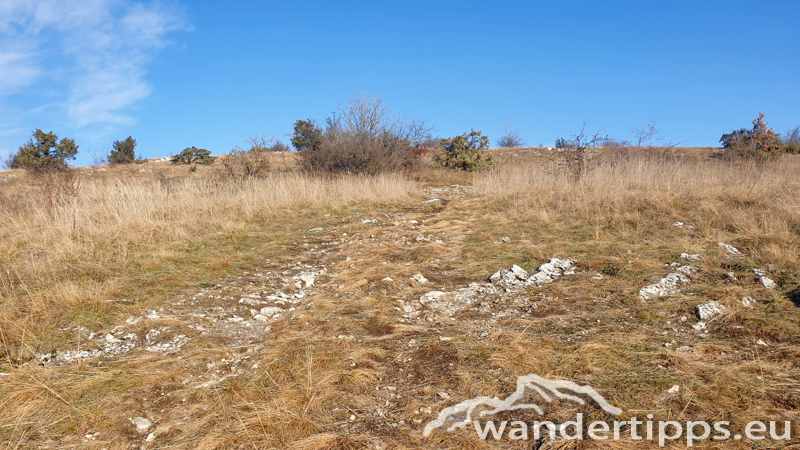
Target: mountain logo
[{"x": 461, "y": 414}]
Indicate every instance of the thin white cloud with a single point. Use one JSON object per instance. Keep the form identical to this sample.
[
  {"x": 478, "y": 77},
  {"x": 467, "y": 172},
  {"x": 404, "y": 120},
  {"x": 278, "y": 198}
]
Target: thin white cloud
[
  {"x": 97, "y": 51},
  {"x": 17, "y": 71}
]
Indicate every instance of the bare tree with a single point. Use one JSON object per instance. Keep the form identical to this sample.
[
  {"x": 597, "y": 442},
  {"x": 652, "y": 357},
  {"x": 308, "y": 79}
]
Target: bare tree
[
  {"x": 646, "y": 134},
  {"x": 576, "y": 152},
  {"x": 792, "y": 136},
  {"x": 511, "y": 137}
]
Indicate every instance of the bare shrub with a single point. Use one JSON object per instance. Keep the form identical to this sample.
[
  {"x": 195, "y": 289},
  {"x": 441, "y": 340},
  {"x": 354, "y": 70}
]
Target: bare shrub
[
  {"x": 363, "y": 136},
  {"x": 59, "y": 187},
  {"x": 577, "y": 153},
  {"x": 511, "y": 137},
  {"x": 252, "y": 161}
]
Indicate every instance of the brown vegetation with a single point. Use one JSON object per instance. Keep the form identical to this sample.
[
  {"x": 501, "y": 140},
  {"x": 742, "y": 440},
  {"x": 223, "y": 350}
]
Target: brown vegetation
[{"x": 345, "y": 369}]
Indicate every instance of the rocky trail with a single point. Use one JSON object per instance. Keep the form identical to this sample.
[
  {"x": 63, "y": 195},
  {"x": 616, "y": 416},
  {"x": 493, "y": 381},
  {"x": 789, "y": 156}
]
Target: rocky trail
[{"x": 403, "y": 349}]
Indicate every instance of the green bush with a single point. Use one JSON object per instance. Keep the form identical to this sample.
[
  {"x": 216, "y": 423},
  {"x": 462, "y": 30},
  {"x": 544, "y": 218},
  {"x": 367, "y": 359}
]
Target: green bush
[
  {"x": 465, "y": 152},
  {"x": 307, "y": 135},
  {"x": 791, "y": 141},
  {"x": 123, "y": 152},
  {"x": 792, "y": 147},
  {"x": 280, "y": 147},
  {"x": 43, "y": 152},
  {"x": 193, "y": 155}
]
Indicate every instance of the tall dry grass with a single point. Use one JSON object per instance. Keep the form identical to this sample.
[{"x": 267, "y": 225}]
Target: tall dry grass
[
  {"x": 54, "y": 258},
  {"x": 757, "y": 201}
]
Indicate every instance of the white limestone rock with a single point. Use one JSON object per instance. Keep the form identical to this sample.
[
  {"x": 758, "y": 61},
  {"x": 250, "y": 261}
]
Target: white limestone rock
[
  {"x": 141, "y": 423},
  {"x": 511, "y": 276},
  {"x": 669, "y": 285},
  {"x": 730, "y": 250},
  {"x": 690, "y": 257},
  {"x": 419, "y": 278},
  {"x": 710, "y": 310}
]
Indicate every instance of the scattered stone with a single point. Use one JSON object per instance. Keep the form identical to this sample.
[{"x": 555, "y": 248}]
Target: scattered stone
[
  {"x": 731, "y": 278},
  {"x": 669, "y": 285},
  {"x": 762, "y": 277},
  {"x": 419, "y": 278},
  {"x": 768, "y": 283},
  {"x": 141, "y": 423},
  {"x": 674, "y": 389},
  {"x": 683, "y": 349},
  {"x": 551, "y": 270},
  {"x": 444, "y": 395},
  {"x": 150, "y": 437},
  {"x": 699, "y": 326},
  {"x": 513, "y": 275},
  {"x": 598, "y": 276},
  {"x": 270, "y": 311},
  {"x": 687, "y": 270},
  {"x": 710, "y": 310},
  {"x": 730, "y": 250},
  {"x": 506, "y": 239},
  {"x": 176, "y": 343},
  {"x": 678, "y": 224},
  {"x": 690, "y": 257},
  {"x": 761, "y": 342},
  {"x": 142, "y": 170},
  {"x": 152, "y": 336},
  {"x": 431, "y": 200},
  {"x": 547, "y": 273},
  {"x": 431, "y": 298},
  {"x": 3, "y": 180},
  {"x": 387, "y": 280},
  {"x": 307, "y": 279},
  {"x": 369, "y": 220},
  {"x": 749, "y": 302}
]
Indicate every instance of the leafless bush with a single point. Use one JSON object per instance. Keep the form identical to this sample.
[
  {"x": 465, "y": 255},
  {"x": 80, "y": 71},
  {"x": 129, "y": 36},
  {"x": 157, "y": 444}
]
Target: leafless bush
[
  {"x": 578, "y": 151},
  {"x": 511, "y": 137},
  {"x": 59, "y": 187},
  {"x": 363, "y": 136},
  {"x": 251, "y": 161}
]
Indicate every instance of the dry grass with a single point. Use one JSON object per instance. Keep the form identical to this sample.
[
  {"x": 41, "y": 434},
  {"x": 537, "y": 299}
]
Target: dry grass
[
  {"x": 345, "y": 370},
  {"x": 753, "y": 206},
  {"x": 74, "y": 256}
]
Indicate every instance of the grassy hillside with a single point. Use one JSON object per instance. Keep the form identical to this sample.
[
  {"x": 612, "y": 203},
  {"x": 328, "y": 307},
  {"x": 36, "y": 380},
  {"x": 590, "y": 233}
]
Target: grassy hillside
[{"x": 281, "y": 312}]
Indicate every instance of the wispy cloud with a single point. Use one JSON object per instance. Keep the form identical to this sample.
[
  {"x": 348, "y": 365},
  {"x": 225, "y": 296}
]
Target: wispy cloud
[{"x": 95, "y": 51}]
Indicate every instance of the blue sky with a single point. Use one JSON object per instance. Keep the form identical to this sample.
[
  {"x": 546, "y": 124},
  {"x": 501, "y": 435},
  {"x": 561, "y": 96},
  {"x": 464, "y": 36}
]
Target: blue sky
[{"x": 207, "y": 73}]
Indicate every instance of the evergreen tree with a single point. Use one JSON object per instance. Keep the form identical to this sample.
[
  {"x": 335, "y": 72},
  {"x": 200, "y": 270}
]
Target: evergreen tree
[
  {"x": 123, "y": 152},
  {"x": 44, "y": 152}
]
